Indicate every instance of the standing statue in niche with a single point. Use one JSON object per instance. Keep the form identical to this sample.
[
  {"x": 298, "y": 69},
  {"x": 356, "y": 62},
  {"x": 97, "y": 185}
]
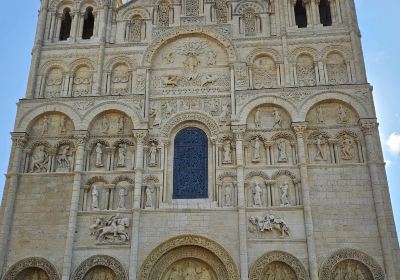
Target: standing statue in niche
[
  {"x": 257, "y": 118},
  {"x": 95, "y": 198},
  {"x": 257, "y": 195},
  {"x": 63, "y": 159},
  {"x": 343, "y": 115},
  {"x": 153, "y": 155},
  {"x": 320, "y": 153},
  {"x": 45, "y": 126},
  {"x": 121, "y": 124},
  {"x": 257, "y": 150},
  {"x": 319, "y": 114},
  {"x": 282, "y": 154},
  {"x": 347, "y": 147},
  {"x": 105, "y": 125},
  {"x": 277, "y": 118},
  {"x": 99, "y": 155},
  {"x": 284, "y": 188},
  {"x": 121, "y": 155},
  {"x": 227, "y": 152},
  {"x": 228, "y": 195},
  {"x": 122, "y": 198},
  {"x": 149, "y": 197},
  {"x": 63, "y": 125}
]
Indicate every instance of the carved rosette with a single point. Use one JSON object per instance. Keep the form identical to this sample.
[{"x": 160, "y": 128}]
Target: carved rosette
[
  {"x": 183, "y": 241},
  {"x": 258, "y": 269},
  {"x": 328, "y": 267},
  {"x": 100, "y": 260},
  {"x": 33, "y": 262}
]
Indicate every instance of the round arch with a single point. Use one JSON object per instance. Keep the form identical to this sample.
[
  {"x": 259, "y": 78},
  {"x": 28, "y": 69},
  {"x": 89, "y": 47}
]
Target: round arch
[
  {"x": 332, "y": 96},
  {"x": 100, "y": 260},
  {"x": 328, "y": 266},
  {"x": 251, "y": 105},
  {"x": 257, "y": 269},
  {"x": 194, "y": 116},
  {"x": 54, "y": 107},
  {"x": 91, "y": 115},
  {"x": 168, "y": 36},
  {"x": 33, "y": 262},
  {"x": 178, "y": 248}
]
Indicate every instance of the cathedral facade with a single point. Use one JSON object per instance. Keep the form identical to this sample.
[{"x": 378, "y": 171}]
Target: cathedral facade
[{"x": 197, "y": 140}]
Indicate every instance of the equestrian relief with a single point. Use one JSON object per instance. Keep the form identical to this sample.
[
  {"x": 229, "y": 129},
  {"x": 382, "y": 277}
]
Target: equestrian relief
[{"x": 111, "y": 230}]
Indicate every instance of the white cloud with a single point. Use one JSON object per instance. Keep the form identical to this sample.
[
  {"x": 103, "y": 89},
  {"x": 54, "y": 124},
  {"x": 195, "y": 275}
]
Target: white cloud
[{"x": 393, "y": 143}]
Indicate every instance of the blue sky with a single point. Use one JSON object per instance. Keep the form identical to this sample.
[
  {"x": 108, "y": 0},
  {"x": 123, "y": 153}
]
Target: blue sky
[{"x": 381, "y": 43}]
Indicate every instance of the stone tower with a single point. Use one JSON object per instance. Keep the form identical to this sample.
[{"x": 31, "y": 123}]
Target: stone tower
[{"x": 197, "y": 139}]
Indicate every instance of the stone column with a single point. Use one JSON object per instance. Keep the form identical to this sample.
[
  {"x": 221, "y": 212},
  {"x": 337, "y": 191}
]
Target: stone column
[
  {"x": 140, "y": 136},
  {"x": 380, "y": 194},
  {"x": 10, "y": 191},
  {"x": 74, "y": 25},
  {"x": 103, "y": 31},
  {"x": 81, "y": 137},
  {"x": 299, "y": 129},
  {"x": 239, "y": 134},
  {"x": 37, "y": 49}
]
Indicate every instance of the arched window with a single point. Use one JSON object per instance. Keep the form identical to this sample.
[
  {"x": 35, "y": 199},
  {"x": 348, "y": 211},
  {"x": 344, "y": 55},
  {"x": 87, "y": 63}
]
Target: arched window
[
  {"x": 66, "y": 21},
  {"x": 88, "y": 24},
  {"x": 163, "y": 13},
  {"x": 249, "y": 21},
  {"x": 300, "y": 14},
  {"x": 325, "y": 13},
  {"x": 336, "y": 69},
  {"x": 190, "y": 164},
  {"x": 192, "y": 7}
]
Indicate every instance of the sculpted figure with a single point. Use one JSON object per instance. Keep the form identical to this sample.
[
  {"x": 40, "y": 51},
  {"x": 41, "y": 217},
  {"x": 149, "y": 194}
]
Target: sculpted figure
[
  {"x": 319, "y": 115},
  {"x": 277, "y": 118},
  {"x": 257, "y": 119},
  {"x": 149, "y": 197},
  {"x": 257, "y": 150},
  {"x": 284, "y": 188},
  {"x": 171, "y": 80},
  {"x": 40, "y": 160},
  {"x": 320, "y": 153},
  {"x": 227, "y": 152},
  {"x": 282, "y": 154},
  {"x": 342, "y": 114},
  {"x": 208, "y": 79},
  {"x": 105, "y": 125},
  {"x": 212, "y": 58},
  {"x": 347, "y": 146},
  {"x": 269, "y": 222},
  {"x": 228, "y": 195},
  {"x": 191, "y": 64},
  {"x": 95, "y": 198},
  {"x": 156, "y": 115},
  {"x": 122, "y": 198},
  {"x": 121, "y": 155},
  {"x": 176, "y": 274},
  {"x": 257, "y": 195},
  {"x": 63, "y": 125},
  {"x": 121, "y": 124},
  {"x": 45, "y": 126},
  {"x": 63, "y": 159},
  {"x": 99, "y": 155},
  {"x": 169, "y": 58},
  {"x": 112, "y": 230},
  {"x": 225, "y": 114},
  {"x": 153, "y": 154}
]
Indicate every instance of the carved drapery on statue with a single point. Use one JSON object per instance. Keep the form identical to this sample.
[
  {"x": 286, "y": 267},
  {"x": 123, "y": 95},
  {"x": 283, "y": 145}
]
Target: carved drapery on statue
[{"x": 191, "y": 164}]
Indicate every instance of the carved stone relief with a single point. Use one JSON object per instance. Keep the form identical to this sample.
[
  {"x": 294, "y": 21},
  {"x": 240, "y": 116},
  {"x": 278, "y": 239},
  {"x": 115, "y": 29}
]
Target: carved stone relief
[
  {"x": 264, "y": 73},
  {"x": 110, "y": 230},
  {"x": 336, "y": 69},
  {"x": 305, "y": 71},
  {"x": 33, "y": 273},
  {"x": 51, "y": 125},
  {"x": 331, "y": 114},
  {"x": 190, "y": 270},
  {"x": 350, "y": 269},
  {"x": 268, "y": 117},
  {"x": 30, "y": 268},
  {"x": 99, "y": 266},
  {"x": 111, "y": 124},
  {"x": 54, "y": 81},
  {"x": 39, "y": 159},
  {"x": 256, "y": 193},
  {"x": 259, "y": 225},
  {"x": 82, "y": 82},
  {"x": 279, "y": 271},
  {"x": 120, "y": 80},
  {"x": 64, "y": 159},
  {"x": 100, "y": 273}
]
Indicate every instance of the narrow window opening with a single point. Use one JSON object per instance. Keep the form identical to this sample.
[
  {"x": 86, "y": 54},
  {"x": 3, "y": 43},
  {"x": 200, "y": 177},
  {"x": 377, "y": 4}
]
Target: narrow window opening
[
  {"x": 325, "y": 13},
  {"x": 66, "y": 21},
  {"x": 300, "y": 14},
  {"x": 88, "y": 24}
]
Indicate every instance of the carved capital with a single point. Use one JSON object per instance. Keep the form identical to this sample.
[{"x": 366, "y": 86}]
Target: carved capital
[
  {"x": 140, "y": 136},
  {"x": 299, "y": 129},
  {"x": 81, "y": 137},
  {"x": 239, "y": 131},
  {"x": 369, "y": 126},
  {"x": 19, "y": 139}
]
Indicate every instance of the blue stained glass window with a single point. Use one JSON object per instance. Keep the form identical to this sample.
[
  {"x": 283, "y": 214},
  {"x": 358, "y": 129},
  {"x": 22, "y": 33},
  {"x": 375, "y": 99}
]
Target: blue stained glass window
[{"x": 190, "y": 164}]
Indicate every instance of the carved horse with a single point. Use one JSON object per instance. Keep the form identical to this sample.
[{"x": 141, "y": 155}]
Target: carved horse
[
  {"x": 270, "y": 222},
  {"x": 104, "y": 232}
]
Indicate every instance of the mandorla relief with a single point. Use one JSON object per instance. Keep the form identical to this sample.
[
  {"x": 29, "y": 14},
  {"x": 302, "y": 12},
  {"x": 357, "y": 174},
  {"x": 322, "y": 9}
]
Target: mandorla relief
[
  {"x": 260, "y": 225},
  {"x": 110, "y": 230}
]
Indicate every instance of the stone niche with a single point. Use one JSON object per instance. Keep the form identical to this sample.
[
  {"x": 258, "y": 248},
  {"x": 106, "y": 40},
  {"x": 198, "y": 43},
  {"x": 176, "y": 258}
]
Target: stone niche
[
  {"x": 111, "y": 124},
  {"x": 191, "y": 62},
  {"x": 332, "y": 113},
  {"x": 51, "y": 125},
  {"x": 268, "y": 117}
]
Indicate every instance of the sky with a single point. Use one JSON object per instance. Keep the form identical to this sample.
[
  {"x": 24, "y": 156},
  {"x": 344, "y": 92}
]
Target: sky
[{"x": 381, "y": 42}]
